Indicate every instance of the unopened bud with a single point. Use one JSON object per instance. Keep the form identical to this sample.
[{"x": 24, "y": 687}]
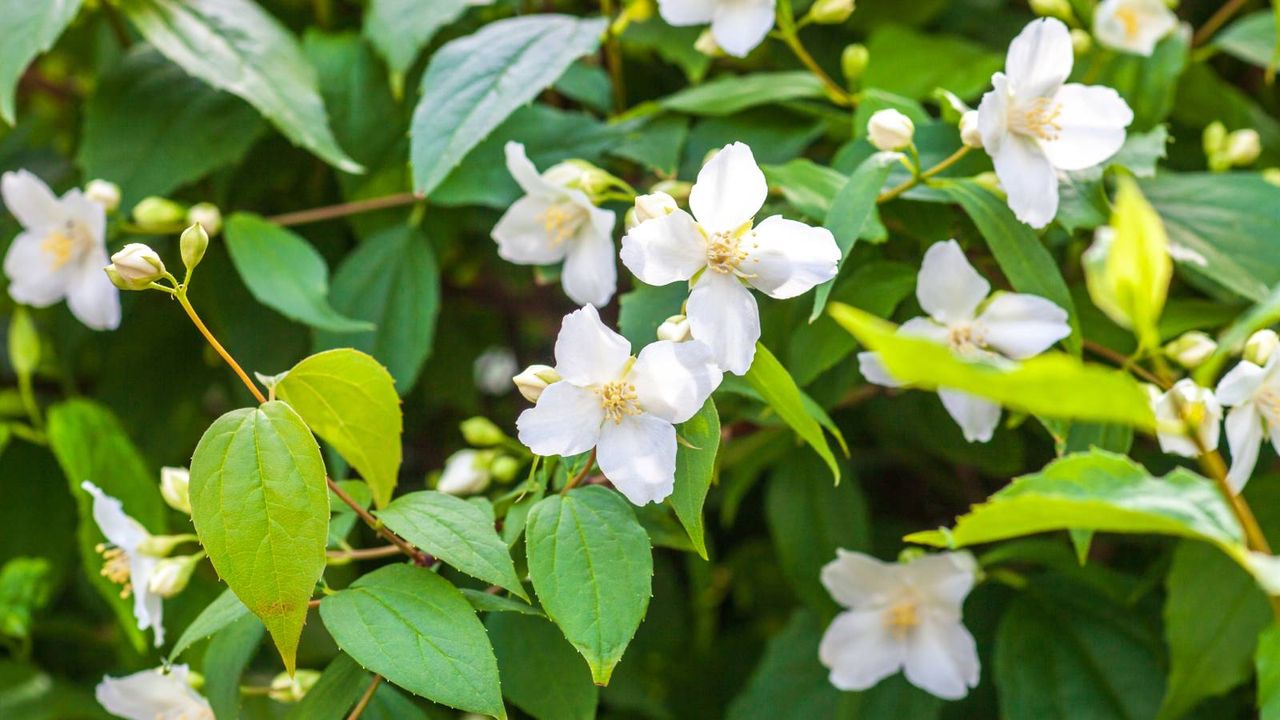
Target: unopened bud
[
  {"x": 970, "y": 134},
  {"x": 287, "y": 689},
  {"x": 207, "y": 216},
  {"x": 890, "y": 130},
  {"x": 136, "y": 266},
  {"x": 466, "y": 472},
  {"x": 655, "y": 205},
  {"x": 161, "y": 545},
  {"x": 675, "y": 329},
  {"x": 1243, "y": 147},
  {"x": 481, "y": 432},
  {"x": 175, "y": 488},
  {"x": 1260, "y": 346},
  {"x": 1081, "y": 41},
  {"x": 854, "y": 61},
  {"x": 158, "y": 213},
  {"x": 989, "y": 181},
  {"x": 193, "y": 243},
  {"x": 831, "y": 12},
  {"x": 106, "y": 194},
  {"x": 1272, "y": 175},
  {"x": 679, "y": 190},
  {"x": 171, "y": 575},
  {"x": 1060, "y": 9},
  {"x": 707, "y": 45},
  {"x": 534, "y": 380},
  {"x": 505, "y": 469},
  {"x": 1191, "y": 349}
]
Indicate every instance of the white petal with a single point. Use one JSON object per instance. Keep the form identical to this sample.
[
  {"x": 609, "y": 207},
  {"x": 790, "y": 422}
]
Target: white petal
[
  {"x": 1040, "y": 58},
  {"x": 148, "y": 608},
  {"x": 1028, "y": 178},
  {"x": 587, "y": 352},
  {"x": 674, "y": 380},
  {"x": 976, "y": 416},
  {"x": 948, "y": 287},
  {"x": 527, "y": 176},
  {"x": 118, "y": 528},
  {"x": 30, "y": 200},
  {"x": 92, "y": 298},
  {"x": 638, "y": 455},
  {"x": 730, "y": 190},
  {"x": 859, "y": 581},
  {"x": 1244, "y": 437},
  {"x": 859, "y": 650},
  {"x": 590, "y": 274},
  {"x": 522, "y": 234},
  {"x": 945, "y": 578},
  {"x": 740, "y": 25},
  {"x": 925, "y": 328},
  {"x": 873, "y": 370},
  {"x": 33, "y": 279},
  {"x": 723, "y": 314},
  {"x": 1144, "y": 24},
  {"x": 566, "y": 421},
  {"x": 942, "y": 658},
  {"x": 89, "y": 215},
  {"x": 993, "y": 114},
  {"x": 1092, "y": 121},
  {"x": 1240, "y": 384},
  {"x": 665, "y": 249},
  {"x": 786, "y": 258},
  {"x": 1020, "y": 326},
  {"x": 687, "y": 12},
  {"x": 153, "y": 695}
]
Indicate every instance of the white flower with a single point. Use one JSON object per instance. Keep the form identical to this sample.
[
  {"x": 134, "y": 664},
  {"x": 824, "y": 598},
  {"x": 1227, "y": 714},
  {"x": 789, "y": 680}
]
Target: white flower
[
  {"x": 175, "y": 488},
  {"x": 466, "y": 472},
  {"x": 655, "y": 205},
  {"x": 1253, "y": 394},
  {"x": 60, "y": 252},
  {"x": 890, "y": 130},
  {"x": 625, "y": 407},
  {"x": 534, "y": 380},
  {"x": 1260, "y": 346},
  {"x": 124, "y": 563},
  {"x": 1010, "y": 325},
  {"x": 1186, "y": 404},
  {"x": 103, "y": 192},
  {"x": 718, "y": 249},
  {"x": 493, "y": 369},
  {"x": 1191, "y": 349},
  {"x": 552, "y": 223},
  {"x": 1133, "y": 26},
  {"x": 1033, "y": 125},
  {"x": 153, "y": 695},
  {"x": 901, "y": 617},
  {"x": 738, "y": 26}
]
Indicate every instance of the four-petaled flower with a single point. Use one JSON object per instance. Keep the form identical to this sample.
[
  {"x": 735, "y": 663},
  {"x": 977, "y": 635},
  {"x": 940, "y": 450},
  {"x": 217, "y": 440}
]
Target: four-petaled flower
[
  {"x": 1033, "y": 125},
  {"x": 901, "y": 617},
  {"x": 722, "y": 253},
  {"x": 153, "y": 695},
  {"x": 738, "y": 26},
  {"x": 1134, "y": 26},
  {"x": 60, "y": 252},
  {"x": 626, "y": 407},
  {"x": 124, "y": 561},
  {"x": 1009, "y": 326},
  {"x": 1253, "y": 394},
  {"x": 553, "y": 222}
]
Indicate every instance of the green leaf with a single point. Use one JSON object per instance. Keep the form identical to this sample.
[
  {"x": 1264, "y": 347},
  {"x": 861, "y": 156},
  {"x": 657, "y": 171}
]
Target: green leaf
[
  {"x": 1263, "y": 315},
  {"x": 913, "y": 64},
  {"x": 90, "y": 444},
  {"x": 235, "y": 45},
  {"x": 261, "y": 509},
  {"x": 775, "y": 385},
  {"x": 1098, "y": 491},
  {"x": 807, "y": 186},
  {"x": 458, "y": 532},
  {"x": 350, "y": 401},
  {"x": 541, "y": 673},
  {"x": 1022, "y": 257},
  {"x": 473, "y": 83},
  {"x": 731, "y": 94},
  {"x": 591, "y": 566},
  {"x": 695, "y": 469},
  {"x": 339, "y": 687},
  {"x": 285, "y": 273},
  {"x": 225, "y": 660},
  {"x": 399, "y": 29},
  {"x": 151, "y": 128},
  {"x": 1147, "y": 84},
  {"x": 1252, "y": 38},
  {"x": 366, "y": 117},
  {"x": 220, "y": 613},
  {"x": 789, "y": 675},
  {"x": 1054, "y": 384},
  {"x": 415, "y": 629},
  {"x": 488, "y": 602},
  {"x": 1267, "y": 663},
  {"x": 29, "y": 28},
  {"x": 646, "y": 307},
  {"x": 853, "y": 207},
  {"x": 1213, "y": 613}
]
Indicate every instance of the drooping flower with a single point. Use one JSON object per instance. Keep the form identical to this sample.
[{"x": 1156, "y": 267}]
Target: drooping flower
[
  {"x": 60, "y": 252},
  {"x": 1033, "y": 125},
  {"x": 625, "y": 407},
  {"x": 1011, "y": 326},
  {"x": 1183, "y": 406},
  {"x": 738, "y": 26},
  {"x": 901, "y": 616},
  {"x": 466, "y": 472},
  {"x": 1253, "y": 394},
  {"x": 124, "y": 561},
  {"x": 722, "y": 253},
  {"x": 1133, "y": 26},
  {"x": 153, "y": 695},
  {"x": 554, "y": 222}
]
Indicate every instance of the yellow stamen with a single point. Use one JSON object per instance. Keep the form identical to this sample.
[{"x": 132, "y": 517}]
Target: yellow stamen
[
  {"x": 618, "y": 399},
  {"x": 59, "y": 246},
  {"x": 901, "y": 618},
  {"x": 1128, "y": 17},
  {"x": 1040, "y": 119},
  {"x": 115, "y": 567},
  {"x": 562, "y": 221},
  {"x": 725, "y": 253}
]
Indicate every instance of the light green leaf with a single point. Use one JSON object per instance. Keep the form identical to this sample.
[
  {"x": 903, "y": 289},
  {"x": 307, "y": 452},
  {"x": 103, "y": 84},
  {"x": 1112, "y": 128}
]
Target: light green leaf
[
  {"x": 541, "y": 673},
  {"x": 261, "y": 509},
  {"x": 913, "y": 64},
  {"x": 853, "y": 207},
  {"x": 771, "y": 380},
  {"x": 695, "y": 469},
  {"x": 350, "y": 401},
  {"x": 731, "y": 94},
  {"x": 1267, "y": 664},
  {"x": 473, "y": 83},
  {"x": 399, "y": 29},
  {"x": 235, "y": 45},
  {"x": 1147, "y": 84},
  {"x": 414, "y": 628},
  {"x": 225, "y": 660},
  {"x": 1252, "y": 38},
  {"x": 218, "y": 614},
  {"x": 808, "y": 186},
  {"x": 285, "y": 273},
  {"x": 1054, "y": 384},
  {"x": 1231, "y": 342},
  {"x": 458, "y": 532},
  {"x": 29, "y": 28},
  {"x": 591, "y": 566}
]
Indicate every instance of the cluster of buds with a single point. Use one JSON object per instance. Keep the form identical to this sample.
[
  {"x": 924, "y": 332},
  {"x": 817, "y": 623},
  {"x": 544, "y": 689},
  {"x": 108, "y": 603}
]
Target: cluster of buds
[
  {"x": 471, "y": 471},
  {"x": 1225, "y": 150},
  {"x": 162, "y": 215},
  {"x": 286, "y": 689},
  {"x": 137, "y": 266}
]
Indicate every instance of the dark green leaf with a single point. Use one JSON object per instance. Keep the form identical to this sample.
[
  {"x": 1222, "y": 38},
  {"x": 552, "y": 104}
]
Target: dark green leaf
[
  {"x": 695, "y": 469},
  {"x": 399, "y": 29},
  {"x": 854, "y": 205},
  {"x": 225, "y": 660},
  {"x": 217, "y": 615},
  {"x": 731, "y": 94},
  {"x": 541, "y": 673},
  {"x": 771, "y": 380},
  {"x": 339, "y": 687}
]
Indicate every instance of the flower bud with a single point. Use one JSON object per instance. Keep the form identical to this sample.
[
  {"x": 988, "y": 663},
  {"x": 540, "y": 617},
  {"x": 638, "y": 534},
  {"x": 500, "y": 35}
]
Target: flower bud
[
  {"x": 193, "y": 243},
  {"x": 207, "y": 216},
  {"x": 171, "y": 575},
  {"x": 1060, "y": 9},
  {"x": 175, "y": 483},
  {"x": 970, "y": 135},
  {"x": 854, "y": 61},
  {"x": 161, "y": 545},
  {"x": 285, "y": 689},
  {"x": 655, "y": 205},
  {"x": 491, "y": 370},
  {"x": 158, "y": 213},
  {"x": 1191, "y": 349},
  {"x": 675, "y": 329},
  {"x": 990, "y": 181},
  {"x": 1243, "y": 147},
  {"x": 1272, "y": 175},
  {"x": 481, "y": 432},
  {"x": 1260, "y": 346},
  {"x": 707, "y": 45},
  {"x": 1081, "y": 41},
  {"x": 890, "y": 130},
  {"x": 136, "y": 265},
  {"x": 830, "y": 12},
  {"x": 505, "y": 469},
  {"x": 106, "y": 194},
  {"x": 534, "y": 380},
  {"x": 1183, "y": 409},
  {"x": 466, "y": 472},
  {"x": 679, "y": 190}
]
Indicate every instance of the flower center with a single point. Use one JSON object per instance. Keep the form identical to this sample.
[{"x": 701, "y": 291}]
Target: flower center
[
  {"x": 618, "y": 399},
  {"x": 115, "y": 567},
  {"x": 562, "y": 220},
  {"x": 901, "y": 618},
  {"x": 1128, "y": 17},
  {"x": 1039, "y": 119},
  {"x": 964, "y": 339},
  {"x": 724, "y": 252},
  {"x": 64, "y": 244},
  {"x": 1269, "y": 404}
]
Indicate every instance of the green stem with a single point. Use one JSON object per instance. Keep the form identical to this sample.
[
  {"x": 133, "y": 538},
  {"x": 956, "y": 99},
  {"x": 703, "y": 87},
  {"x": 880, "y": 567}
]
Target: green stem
[
  {"x": 613, "y": 59},
  {"x": 181, "y": 295},
  {"x": 789, "y": 33},
  {"x": 920, "y": 177}
]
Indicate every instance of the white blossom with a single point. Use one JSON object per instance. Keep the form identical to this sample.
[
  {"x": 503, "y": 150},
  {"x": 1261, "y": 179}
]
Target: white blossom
[
  {"x": 625, "y": 407},
  {"x": 1253, "y": 394},
  {"x": 103, "y": 192},
  {"x": 738, "y": 26},
  {"x": 153, "y": 695},
  {"x": 1033, "y": 125},
  {"x": 719, "y": 249},
  {"x": 60, "y": 252},
  {"x": 890, "y": 130},
  {"x": 124, "y": 562},
  {"x": 1184, "y": 405},
  {"x": 1008, "y": 326},
  {"x": 901, "y": 616},
  {"x": 1133, "y": 26},
  {"x": 554, "y": 223},
  {"x": 466, "y": 472}
]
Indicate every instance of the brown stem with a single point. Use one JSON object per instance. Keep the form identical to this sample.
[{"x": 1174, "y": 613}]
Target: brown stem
[
  {"x": 358, "y": 710},
  {"x": 613, "y": 59},
  {"x": 1213, "y": 465},
  {"x": 364, "y": 553},
  {"x": 1126, "y": 363},
  {"x": 313, "y": 604},
  {"x": 217, "y": 346},
  {"x": 329, "y": 212},
  {"x": 1217, "y": 20},
  {"x": 419, "y": 557},
  {"x": 582, "y": 474}
]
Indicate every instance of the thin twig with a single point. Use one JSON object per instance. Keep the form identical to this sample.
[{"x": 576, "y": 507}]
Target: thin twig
[
  {"x": 217, "y": 346},
  {"x": 1217, "y": 20},
  {"x": 329, "y": 212},
  {"x": 915, "y": 180},
  {"x": 1125, "y": 363},
  {"x": 582, "y": 474},
  {"x": 419, "y": 557},
  {"x": 365, "y": 553},
  {"x": 613, "y": 59},
  {"x": 358, "y": 710}
]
